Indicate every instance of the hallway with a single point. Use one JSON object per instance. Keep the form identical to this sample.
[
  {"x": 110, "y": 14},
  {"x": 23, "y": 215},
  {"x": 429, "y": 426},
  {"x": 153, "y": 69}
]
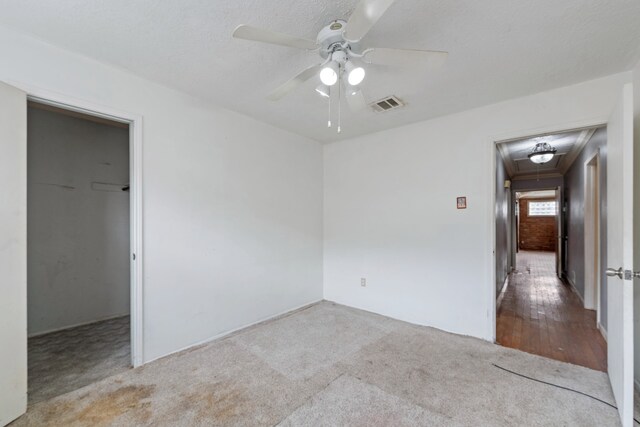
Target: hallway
[{"x": 540, "y": 314}]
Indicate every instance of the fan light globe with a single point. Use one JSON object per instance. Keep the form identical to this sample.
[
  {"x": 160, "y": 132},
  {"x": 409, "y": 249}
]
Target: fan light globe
[
  {"x": 323, "y": 90},
  {"x": 355, "y": 74},
  {"x": 329, "y": 74},
  {"x": 541, "y": 158}
]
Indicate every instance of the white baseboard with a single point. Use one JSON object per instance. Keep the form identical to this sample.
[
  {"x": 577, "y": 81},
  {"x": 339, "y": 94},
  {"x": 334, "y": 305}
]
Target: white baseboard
[
  {"x": 75, "y": 325},
  {"x": 602, "y": 330},
  {"x": 233, "y": 331}
]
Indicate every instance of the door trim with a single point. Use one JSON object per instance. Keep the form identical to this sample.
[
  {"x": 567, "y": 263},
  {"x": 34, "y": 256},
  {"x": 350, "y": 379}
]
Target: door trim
[
  {"x": 135, "y": 123},
  {"x": 592, "y": 233}
]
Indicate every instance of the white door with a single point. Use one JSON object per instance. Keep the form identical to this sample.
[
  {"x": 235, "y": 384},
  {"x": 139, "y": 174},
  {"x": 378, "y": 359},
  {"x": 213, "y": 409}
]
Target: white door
[
  {"x": 620, "y": 254},
  {"x": 13, "y": 253}
]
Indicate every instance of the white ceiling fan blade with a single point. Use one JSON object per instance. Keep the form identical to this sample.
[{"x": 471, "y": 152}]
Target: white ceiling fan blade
[
  {"x": 248, "y": 32},
  {"x": 290, "y": 85},
  {"x": 356, "y": 101},
  {"x": 432, "y": 58},
  {"x": 364, "y": 17}
]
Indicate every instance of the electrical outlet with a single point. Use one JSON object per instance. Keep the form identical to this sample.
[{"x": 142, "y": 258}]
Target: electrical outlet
[{"x": 363, "y": 282}]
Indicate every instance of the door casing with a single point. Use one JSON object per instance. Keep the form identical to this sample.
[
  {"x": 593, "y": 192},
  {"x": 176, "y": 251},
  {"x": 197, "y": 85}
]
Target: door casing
[
  {"x": 490, "y": 236},
  {"x": 592, "y": 234},
  {"x": 135, "y": 122}
]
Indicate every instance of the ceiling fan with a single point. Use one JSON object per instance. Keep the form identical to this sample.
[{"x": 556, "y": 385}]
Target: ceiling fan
[{"x": 343, "y": 57}]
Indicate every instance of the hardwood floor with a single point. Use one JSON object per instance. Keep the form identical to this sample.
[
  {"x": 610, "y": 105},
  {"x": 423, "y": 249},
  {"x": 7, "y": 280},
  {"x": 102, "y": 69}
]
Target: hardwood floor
[{"x": 540, "y": 314}]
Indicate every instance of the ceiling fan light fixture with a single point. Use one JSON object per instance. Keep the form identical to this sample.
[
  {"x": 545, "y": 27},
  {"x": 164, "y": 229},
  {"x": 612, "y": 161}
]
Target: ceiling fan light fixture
[
  {"x": 541, "y": 153},
  {"x": 343, "y": 57},
  {"x": 323, "y": 90},
  {"x": 355, "y": 73},
  {"x": 329, "y": 74}
]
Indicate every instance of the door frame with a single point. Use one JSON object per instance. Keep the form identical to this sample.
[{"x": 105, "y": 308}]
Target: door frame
[
  {"x": 136, "y": 241},
  {"x": 490, "y": 232},
  {"x": 592, "y": 233}
]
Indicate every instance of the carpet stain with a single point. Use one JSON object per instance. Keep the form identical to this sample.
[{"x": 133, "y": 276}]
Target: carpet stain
[
  {"x": 107, "y": 408},
  {"x": 420, "y": 373},
  {"x": 104, "y": 410},
  {"x": 221, "y": 402},
  {"x": 53, "y": 413}
]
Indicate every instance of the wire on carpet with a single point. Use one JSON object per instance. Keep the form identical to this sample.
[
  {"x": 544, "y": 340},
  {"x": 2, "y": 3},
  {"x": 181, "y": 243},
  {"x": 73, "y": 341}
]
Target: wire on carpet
[{"x": 559, "y": 386}]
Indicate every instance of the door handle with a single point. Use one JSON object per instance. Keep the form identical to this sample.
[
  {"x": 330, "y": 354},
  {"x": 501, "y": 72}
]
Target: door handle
[{"x": 613, "y": 272}]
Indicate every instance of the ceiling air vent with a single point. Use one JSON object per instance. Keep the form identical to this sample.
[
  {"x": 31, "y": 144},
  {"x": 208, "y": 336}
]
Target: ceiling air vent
[{"x": 387, "y": 104}]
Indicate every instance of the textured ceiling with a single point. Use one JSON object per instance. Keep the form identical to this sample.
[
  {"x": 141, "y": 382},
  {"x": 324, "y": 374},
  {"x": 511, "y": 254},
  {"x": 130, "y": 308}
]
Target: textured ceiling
[
  {"x": 567, "y": 144},
  {"x": 499, "y": 49}
]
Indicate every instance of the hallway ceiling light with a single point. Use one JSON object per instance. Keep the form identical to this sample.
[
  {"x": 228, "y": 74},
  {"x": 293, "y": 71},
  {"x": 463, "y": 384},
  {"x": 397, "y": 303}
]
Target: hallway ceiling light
[{"x": 542, "y": 153}]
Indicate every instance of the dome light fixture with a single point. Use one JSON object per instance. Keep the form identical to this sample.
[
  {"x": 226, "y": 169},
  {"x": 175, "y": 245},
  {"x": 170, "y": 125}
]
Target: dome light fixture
[
  {"x": 542, "y": 153},
  {"x": 355, "y": 73},
  {"x": 329, "y": 73}
]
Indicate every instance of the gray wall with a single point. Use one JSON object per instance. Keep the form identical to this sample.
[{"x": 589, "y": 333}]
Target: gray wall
[
  {"x": 574, "y": 197},
  {"x": 503, "y": 224},
  {"x": 78, "y": 238}
]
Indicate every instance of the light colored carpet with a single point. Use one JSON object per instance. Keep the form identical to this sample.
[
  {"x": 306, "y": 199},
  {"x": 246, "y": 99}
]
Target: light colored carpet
[
  {"x": 67, "y": 360},
  {"x": 333, "y": 365}
]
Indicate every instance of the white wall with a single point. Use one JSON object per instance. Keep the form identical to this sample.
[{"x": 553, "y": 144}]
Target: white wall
[
  {"x": 78, "y": 238},
  {"x": 232, "y": 206},
  {"x": 390, "y": 212}
]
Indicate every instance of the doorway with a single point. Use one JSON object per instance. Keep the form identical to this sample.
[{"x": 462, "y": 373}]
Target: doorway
[
  {"x": 78, "y": 242},
  {"x": 549, "y": 306},
  {"x": 592, "y": 235},
  {"x": 13, "y": 390}
]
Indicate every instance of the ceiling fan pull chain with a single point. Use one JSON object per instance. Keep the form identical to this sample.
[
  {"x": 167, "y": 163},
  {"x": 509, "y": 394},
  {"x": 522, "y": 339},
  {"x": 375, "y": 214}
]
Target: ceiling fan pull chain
[
  {"x": 339, "y": 98},
  {"x": 329, "y": 99}
]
